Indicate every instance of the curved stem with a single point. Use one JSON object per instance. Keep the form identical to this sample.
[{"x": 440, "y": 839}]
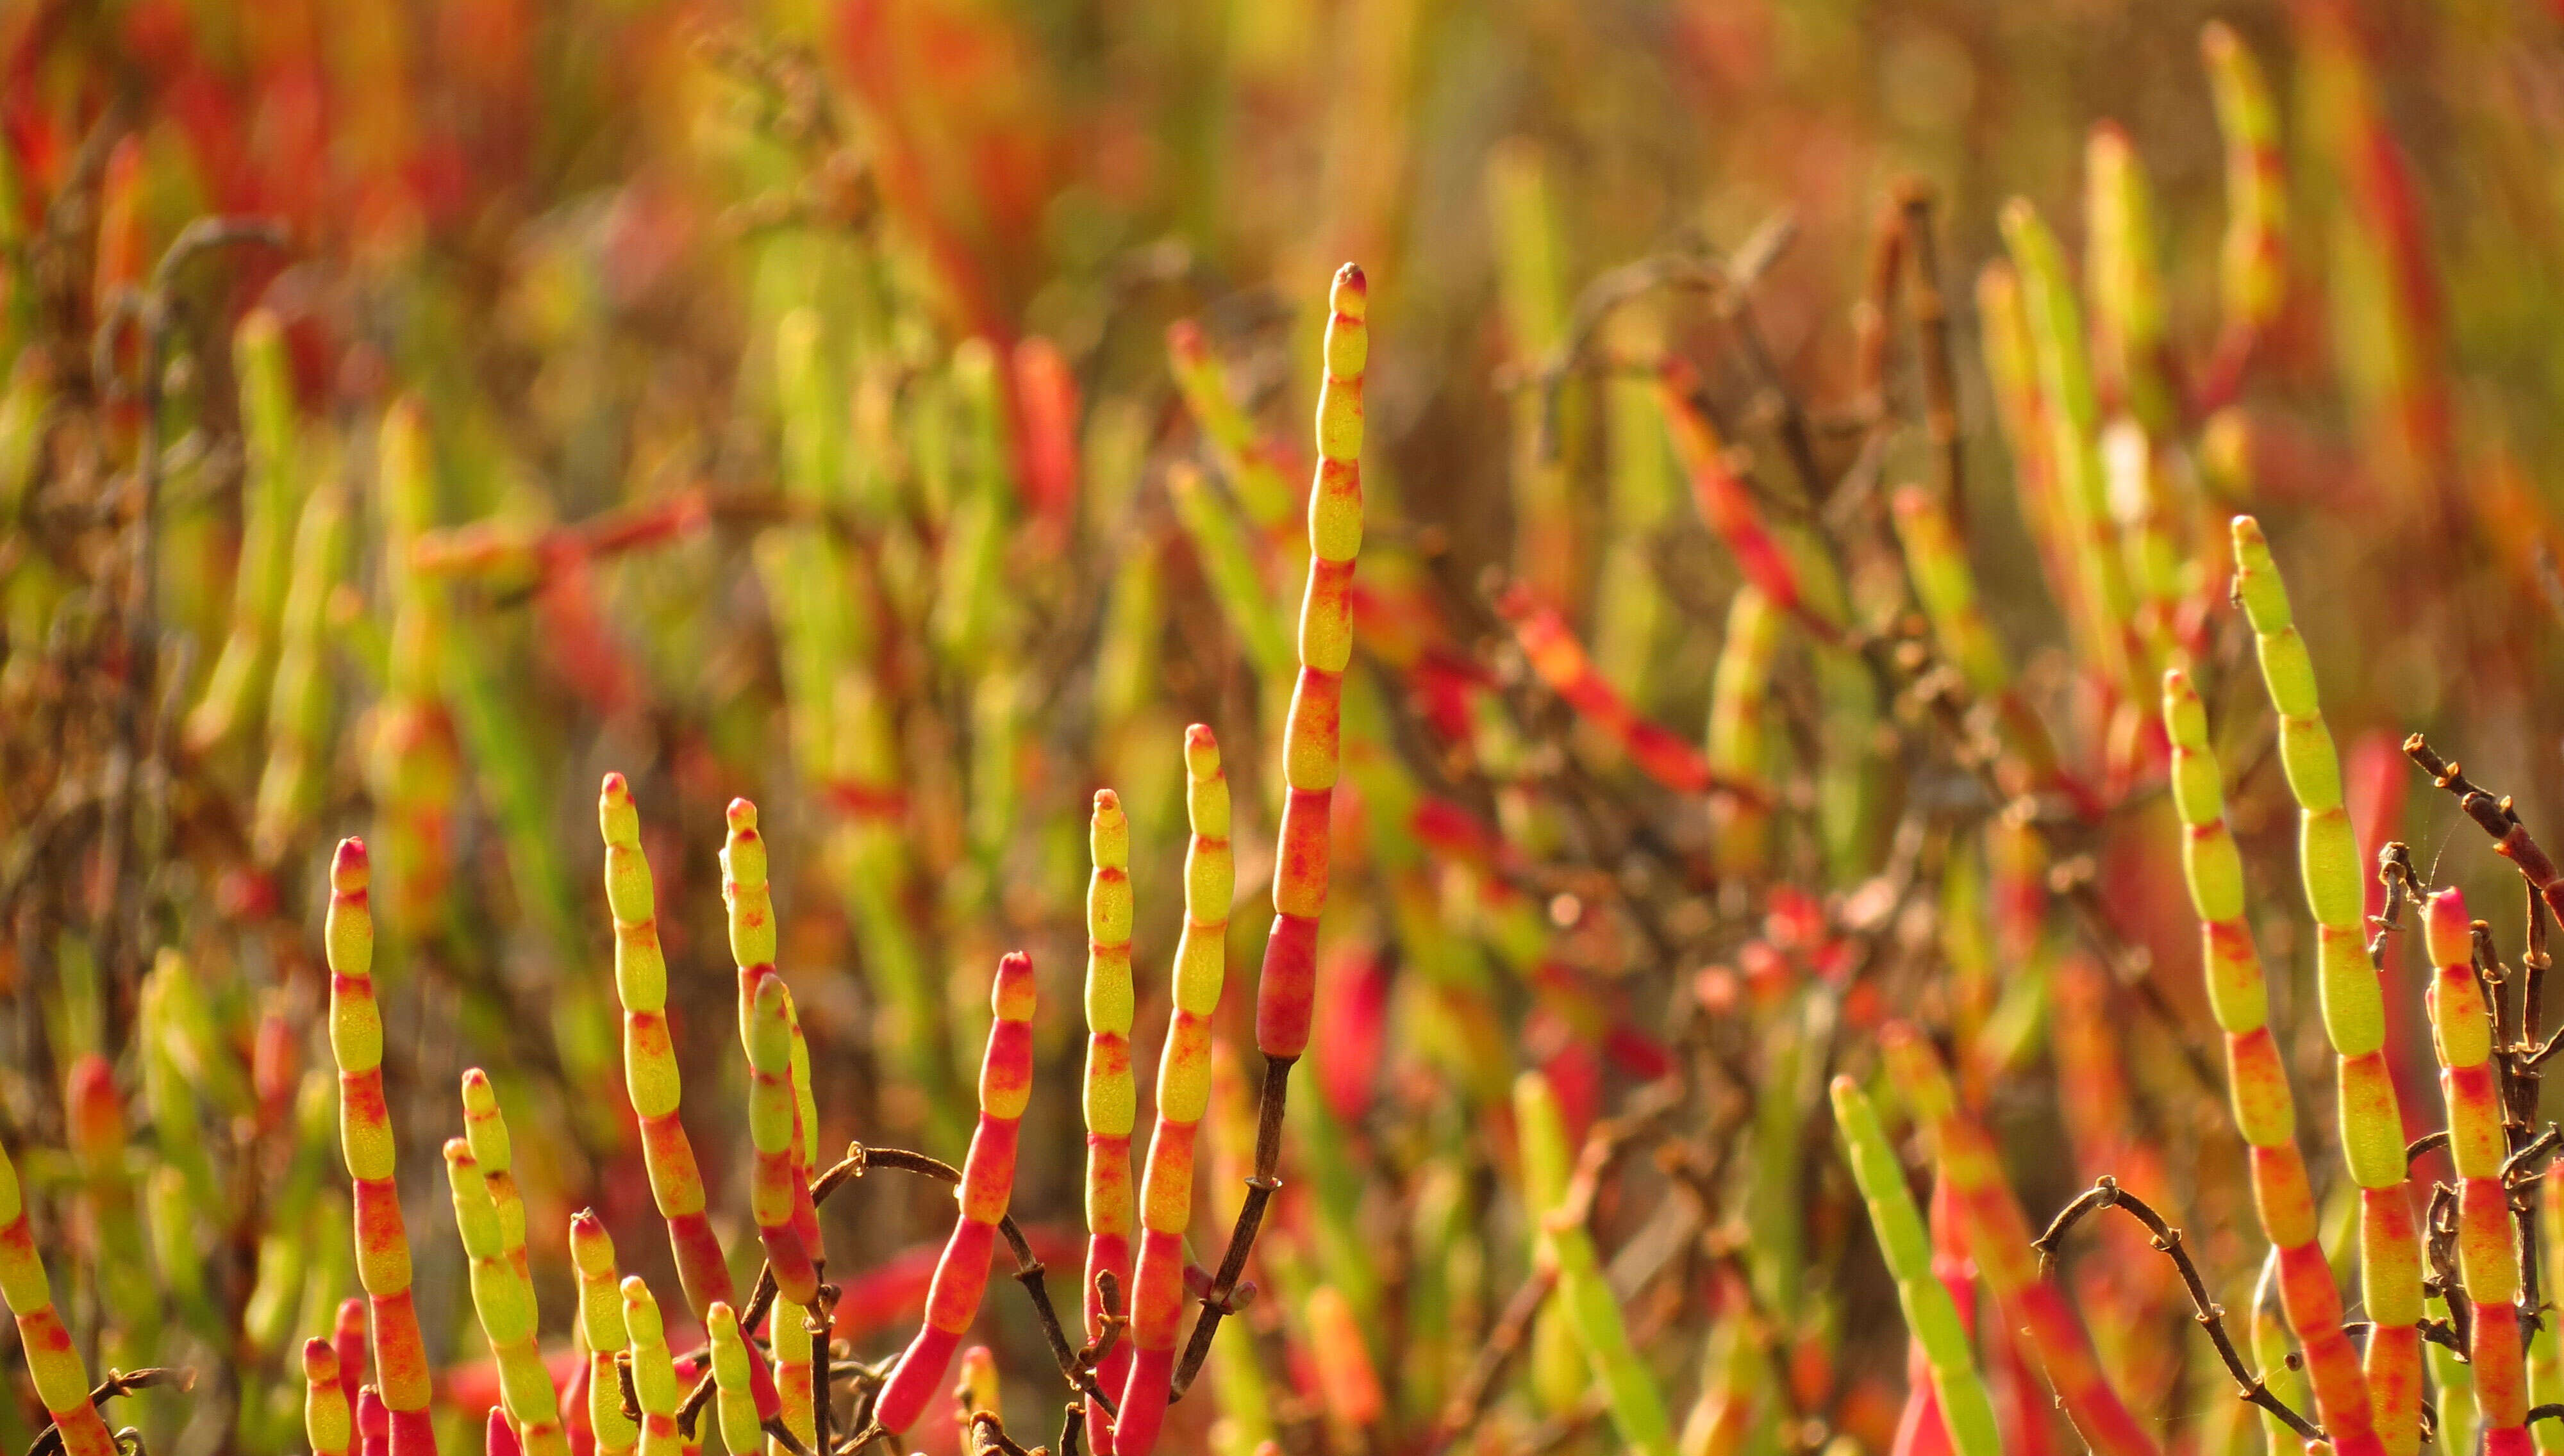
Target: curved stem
[{"x": 2106, "y": 1193}]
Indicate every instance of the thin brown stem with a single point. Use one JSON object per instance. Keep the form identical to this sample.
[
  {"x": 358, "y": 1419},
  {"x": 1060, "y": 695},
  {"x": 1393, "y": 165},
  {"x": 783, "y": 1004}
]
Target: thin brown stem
[
  {"x": 2403, "y": 887},
  {"x": 690, "y": 1411},
  {"x": 860, "y": 1160},
  {"x": 2495, "y": 817},
  {"x": 2106, "y": 1193},
  {"x": 821, "y": 1324},
  {"x": 1931, "y": 310},
  {"x": 1469, "y": 1400},
  {"x": 2427, "y": 1143},
  {"x": 1220, "y": 1300},
  {"x": 1873, "y": 322},
  {"x": 988, "y": 1435},
  {"x": 49, "y": 1441}
]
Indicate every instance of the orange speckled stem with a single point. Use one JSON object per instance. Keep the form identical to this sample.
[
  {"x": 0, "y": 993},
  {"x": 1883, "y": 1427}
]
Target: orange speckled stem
[
  {"x": 779, "y": 1195},
  {"x": 1725, "y": 504},
  {"x": 650, "y": 1066},
  {"x": 987, "y": 1182},
  {"x": 1110, "y": 1098},
  {"x": 2348, "y": 995},
  {"x": 2462, "y": 1029},
  {"x": 62, "y": 1379},
  {"x": 373, "y": 1423},
  {"x": 1286, "y": 993},
  {"x": 349, "y": 1340},
  {"x": 365, "y": 1139},
  {"x": 506, "y": 1305},
  {"x": 602, "y": 1330},
  {"x": 327, "y": 1422},
  {"x": 486, "y": 1128},
  {"x": 2257, "y": 1082},
  {"x": 1183, "y": 1094},
  {"x": 654, "y": 1372},
  {"x": 1561, "y": 661},
  {"x": 2000, "y": 1239}
]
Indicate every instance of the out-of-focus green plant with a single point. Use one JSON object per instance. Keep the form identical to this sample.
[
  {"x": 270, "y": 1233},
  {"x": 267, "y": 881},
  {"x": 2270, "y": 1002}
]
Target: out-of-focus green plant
[{"x": 898, "y": 417}]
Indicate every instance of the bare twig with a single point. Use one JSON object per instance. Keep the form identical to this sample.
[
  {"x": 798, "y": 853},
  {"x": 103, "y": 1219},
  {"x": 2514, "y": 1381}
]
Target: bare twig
[
  {"x": 2427, "y": 1143},
  {"x": 2495, "y": 817},
  {"x": 1028, "y": 1270},
  {"x": 1220, "y": 1300},
  {"x": 2106, "y": 1193},
  {"x": 49, "y": 1441}
]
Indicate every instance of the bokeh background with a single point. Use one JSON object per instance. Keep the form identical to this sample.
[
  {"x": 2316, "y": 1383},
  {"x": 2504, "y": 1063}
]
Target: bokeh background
[{"x": 777, "y": 400}]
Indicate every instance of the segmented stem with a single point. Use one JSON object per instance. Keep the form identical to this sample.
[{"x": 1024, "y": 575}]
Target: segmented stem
[
  {"x": 1286, "y": 993},
  {"x": 505, "y": 1304},
  {"x": 62, "y": 1379},
  {"x": 365, "y": 1141},
  {"x": 602, "y": 1330},
  {"x": 2258, "y": 1081},
  {"x": 779, "y": 1191},
  {"x": 2000, "y": 1241},
  {"x": 1110, "y": 1100},
  {"x": 734, "y": 1394},
  {"x": 327, "y": 1422},
  {"x": 654, "y": 1371},
  {"x": 2461, "y": 1032},
  {"x": 650, "y": 1076},
  {"x": 788, "y": 1335},
  {"x": 1183, "y": 1096},
  {"x": 1287, "y": 987},
  {"x": 1964, "y": 1407},
  {"x": 987, "y": 1182},
  {"x": 2353, "y": 1003}
]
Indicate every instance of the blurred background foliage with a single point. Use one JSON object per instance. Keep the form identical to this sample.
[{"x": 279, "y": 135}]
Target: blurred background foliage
[{"x": 777, "y": 400}]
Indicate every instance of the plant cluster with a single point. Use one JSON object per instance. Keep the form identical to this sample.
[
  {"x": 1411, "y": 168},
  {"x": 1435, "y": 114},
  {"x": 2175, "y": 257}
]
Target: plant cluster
[{"x": 415, "y": 416}]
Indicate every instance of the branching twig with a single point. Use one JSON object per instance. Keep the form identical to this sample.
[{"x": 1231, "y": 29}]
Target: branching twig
[
  {"x": 2495, "y": 817},
  {"x": 2106, "y": 1193},
  {"x": 49, "y": 1441},
  {"x": 1028, "y": 1270},
  {"x": 1220, "y": 1300}
]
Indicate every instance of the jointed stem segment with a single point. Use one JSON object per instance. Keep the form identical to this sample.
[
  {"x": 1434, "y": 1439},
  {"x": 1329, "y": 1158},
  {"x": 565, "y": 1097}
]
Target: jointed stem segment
[
  {"x": 366, "y": 1138},
  {"x": 1110, "y": 1098},
  {"x": 987, "y": 1182},
  {"x": 2264, "y": 1109},
  {"x": 1286, "y": 991},
  {"x": 1183, "y": 1088},
  {"x": 2351, "y": 999}
]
